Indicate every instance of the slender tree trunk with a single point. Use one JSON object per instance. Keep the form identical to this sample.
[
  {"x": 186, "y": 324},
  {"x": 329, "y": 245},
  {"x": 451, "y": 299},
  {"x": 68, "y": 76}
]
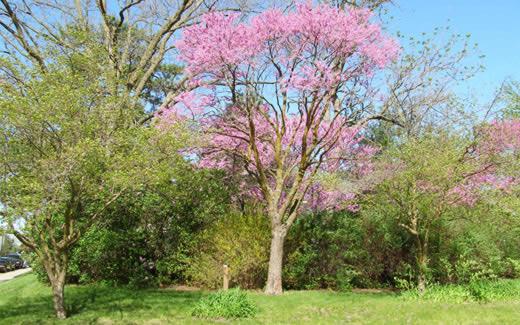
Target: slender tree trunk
[
  {"x": 421, "y": 281},
  {"x": 274, "y": 275},
  {"x": 422, "y": 265}
]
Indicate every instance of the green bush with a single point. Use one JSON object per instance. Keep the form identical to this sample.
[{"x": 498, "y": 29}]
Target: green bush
[
  {"x": 321, "y": 252},
  {"x": 439, "y": 293},
  {"x": 38, "y": 269},
  {"x": 405, "y": 277},
  {"x": 147, "y": 237},
  {"x": 239, "y": 241},
  {"x": 341, "y": 250},
  {"x": 227, "y": 304},
  {"x": 512, "y": 268},
  {"x": 111, "y": 255}
]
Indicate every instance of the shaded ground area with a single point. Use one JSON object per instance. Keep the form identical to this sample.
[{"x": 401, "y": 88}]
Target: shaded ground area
[{"x": 24, "y": 300}]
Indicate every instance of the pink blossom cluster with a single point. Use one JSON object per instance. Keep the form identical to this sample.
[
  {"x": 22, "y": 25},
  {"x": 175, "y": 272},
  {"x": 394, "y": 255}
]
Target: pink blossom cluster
[
  {"x": 319, "y": 198},
  {"x": 264, "y": 91},
  {"x": 301, "y": 44},
  {"x": 469, "y": 192},
  {"x": 501, "y": 137},
  {"x": 499, "y": 145},
  {"x": 490, "y": 164},
  {"x": 230, "y": 132}
]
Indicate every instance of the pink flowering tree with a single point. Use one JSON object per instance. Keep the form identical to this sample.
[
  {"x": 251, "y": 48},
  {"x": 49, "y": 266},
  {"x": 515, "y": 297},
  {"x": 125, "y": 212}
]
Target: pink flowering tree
[
  {"x": 279, "y": 100},
  {"x": 428, "y": 179},
  {"x": 495, "y": 159}
]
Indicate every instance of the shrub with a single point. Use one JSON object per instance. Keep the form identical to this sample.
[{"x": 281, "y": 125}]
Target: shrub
[
  {"x": 240, "y": 241},
  {"x": 111, "y": 255},
  {"x": 147, "y": 238},
  {"x": 512, "y": 268},
  {"x": 227, "y": 304},
  {"x": 405, "y": 277},
  {"x": 341, "y": 250},
  {"x": 439, "y": 293},
  {"x": 322, "y": 250},
  {"x": 370, "y": 249},
  {"x": 468, "y": 270}
]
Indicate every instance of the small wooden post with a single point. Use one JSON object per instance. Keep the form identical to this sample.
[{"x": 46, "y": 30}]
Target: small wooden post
[{"x": 225, "y": 283}]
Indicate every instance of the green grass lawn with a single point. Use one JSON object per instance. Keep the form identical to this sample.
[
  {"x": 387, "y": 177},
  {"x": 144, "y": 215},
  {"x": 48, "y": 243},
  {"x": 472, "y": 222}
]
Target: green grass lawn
[{"x": 24, "y": 300}]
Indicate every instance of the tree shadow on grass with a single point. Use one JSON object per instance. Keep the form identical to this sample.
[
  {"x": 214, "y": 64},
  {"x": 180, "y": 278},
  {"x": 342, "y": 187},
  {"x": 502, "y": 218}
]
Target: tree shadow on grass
[
  {"x": 30, "y": 310},
  {"x": 89, "y": 303}
]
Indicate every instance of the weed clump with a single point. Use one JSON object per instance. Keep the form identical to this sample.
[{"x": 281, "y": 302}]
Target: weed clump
[{"x": 227, "y": 304}]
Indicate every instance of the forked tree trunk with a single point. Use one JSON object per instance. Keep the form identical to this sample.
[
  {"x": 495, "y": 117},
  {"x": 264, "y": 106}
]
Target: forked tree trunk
[{"x": 274, "y": 275}]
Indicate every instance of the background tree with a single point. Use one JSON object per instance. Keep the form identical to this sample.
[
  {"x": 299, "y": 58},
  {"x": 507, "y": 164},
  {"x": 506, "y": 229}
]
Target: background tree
[
  {"x": 511, "y": 93},
  {"x": 8, "y": 245},
  {"x": 433, "y": 174},
  {"x": 418, "y": 88},
  {"x": 133, "y": 41}
]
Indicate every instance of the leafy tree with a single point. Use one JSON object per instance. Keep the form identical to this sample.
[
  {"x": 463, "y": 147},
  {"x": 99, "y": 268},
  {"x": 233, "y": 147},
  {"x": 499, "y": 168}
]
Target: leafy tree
[
  {"x": 73, "y": 87},
  {"x": 427, "y": 177},
  {"x": 69, "y": 151},
  {"x": 418, "y": 87}
]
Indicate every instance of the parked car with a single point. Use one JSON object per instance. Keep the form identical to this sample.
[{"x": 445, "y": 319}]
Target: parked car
[
  {"x": 6, "y": 264},
  {"x": 3, "y": 267},
  {"x": 17, "y": 260}
]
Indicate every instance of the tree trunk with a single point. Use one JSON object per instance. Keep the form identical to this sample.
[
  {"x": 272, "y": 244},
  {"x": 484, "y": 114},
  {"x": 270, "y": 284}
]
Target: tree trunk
[
  {"x": 56, "y": 272},
  {"x": 58, "y": 291},
  {"x": 274, "y": 275},
  {"x": 421, "y": 282},
  {"x": 422, "y": 265}
]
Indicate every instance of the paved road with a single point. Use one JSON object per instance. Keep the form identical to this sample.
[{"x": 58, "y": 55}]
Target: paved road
[{"x": 13, "y": 274}]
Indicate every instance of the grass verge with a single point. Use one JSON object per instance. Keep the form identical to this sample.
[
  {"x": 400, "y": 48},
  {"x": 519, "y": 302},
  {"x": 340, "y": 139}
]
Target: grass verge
[{"x": 24, "y": 300}]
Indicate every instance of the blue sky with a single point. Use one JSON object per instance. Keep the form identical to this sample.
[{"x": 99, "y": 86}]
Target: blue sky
[{"x": 494, "y": 25}]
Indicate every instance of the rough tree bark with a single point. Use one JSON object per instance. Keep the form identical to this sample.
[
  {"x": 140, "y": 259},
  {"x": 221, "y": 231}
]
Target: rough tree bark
[
  {"x": 56, "y": 268},
  {"x": 274, "y": 275}
]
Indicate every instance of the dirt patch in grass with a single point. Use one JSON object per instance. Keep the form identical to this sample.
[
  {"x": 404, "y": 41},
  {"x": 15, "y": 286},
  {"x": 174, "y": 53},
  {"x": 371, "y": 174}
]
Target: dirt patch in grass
[
  {"x": 180, "y": 288},
  {"x": 386, "y": 290}
]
